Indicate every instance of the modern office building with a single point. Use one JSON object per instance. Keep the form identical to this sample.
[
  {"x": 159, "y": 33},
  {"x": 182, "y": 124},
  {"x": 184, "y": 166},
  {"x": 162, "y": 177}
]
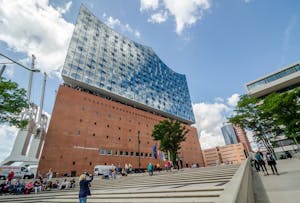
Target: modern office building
[
  {"x": 279, "y": 81},
  {"x": 115, "y": 90},
  {"x": 228, "y": 154},
  {"x": 229, "y": 134},
  {"x": 234, "y": 134},
  {"x": 282, "y": 80}
]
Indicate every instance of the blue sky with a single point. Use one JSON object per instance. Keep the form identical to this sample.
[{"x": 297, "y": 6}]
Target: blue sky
[{"x": 218, "y": 44}]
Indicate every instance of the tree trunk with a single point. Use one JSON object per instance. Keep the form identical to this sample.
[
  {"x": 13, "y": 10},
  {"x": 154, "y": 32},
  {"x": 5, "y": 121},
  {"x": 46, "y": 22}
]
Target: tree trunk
[{"x": 296, "y": 142}]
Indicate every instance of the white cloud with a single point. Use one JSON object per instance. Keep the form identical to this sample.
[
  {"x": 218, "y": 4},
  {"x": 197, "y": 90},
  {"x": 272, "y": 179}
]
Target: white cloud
[
  {"x": 219, "y": 99},
  {"x": 9, "y": 72},
  {"x": 116, "y": 23},
  {"x": 35, "y": 27},
  {"x": 66, "y": 8},
  {"x": 158, "y": 17},
  {"x": 233, "y": 100},
  {"x": 209, "y": 120},
  {"x": 7, "y": 138},
  {"x": 148, "y": 4},
  {"x": 186, "y": 13}
]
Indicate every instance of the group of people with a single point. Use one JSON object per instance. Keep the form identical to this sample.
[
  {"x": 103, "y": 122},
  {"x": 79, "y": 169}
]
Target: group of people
[
  {"x": 259, "y": 162},
  {"x": 19, "y": 186}
]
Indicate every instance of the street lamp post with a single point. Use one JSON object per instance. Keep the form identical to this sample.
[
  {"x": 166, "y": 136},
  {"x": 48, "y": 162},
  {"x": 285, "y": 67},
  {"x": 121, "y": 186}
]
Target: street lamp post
[
  {"x": 30, "y": 69},
  {"x": 139, "y": 142}
]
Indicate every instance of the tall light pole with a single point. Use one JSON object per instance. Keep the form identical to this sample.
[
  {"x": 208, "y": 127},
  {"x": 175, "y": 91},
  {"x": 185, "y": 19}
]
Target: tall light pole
[
  {"x": 30, "y": 79},
  {"x": 14, "y": 61},
  {"x": 2, "y": 70},
  {"x": 139, "y": 142}
]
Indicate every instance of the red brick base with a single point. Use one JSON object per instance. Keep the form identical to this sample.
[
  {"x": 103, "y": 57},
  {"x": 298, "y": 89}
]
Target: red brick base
[{"x": 82, "y": 124}]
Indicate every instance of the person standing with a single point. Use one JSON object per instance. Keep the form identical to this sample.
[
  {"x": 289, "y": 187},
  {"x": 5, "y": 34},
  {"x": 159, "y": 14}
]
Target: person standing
[
  {"x": 49, "y": 174},
  {"x": 272, "y": 163},
  {"x": 261, "y": 162},
  {"x": 10, "y": 176},
  {"x": 84, "y": 190}
]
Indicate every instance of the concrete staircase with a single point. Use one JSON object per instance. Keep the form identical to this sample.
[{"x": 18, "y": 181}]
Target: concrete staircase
[{"x": 188, "y": 185}]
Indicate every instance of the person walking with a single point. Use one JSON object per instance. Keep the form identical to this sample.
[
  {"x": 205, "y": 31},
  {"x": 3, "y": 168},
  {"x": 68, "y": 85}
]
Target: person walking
[
  {"x": 84, "y": 190},
  {"x": 272, "y": 163},
  {"x": 261, "y": 162},
  {"x": 150, "y": 169}
]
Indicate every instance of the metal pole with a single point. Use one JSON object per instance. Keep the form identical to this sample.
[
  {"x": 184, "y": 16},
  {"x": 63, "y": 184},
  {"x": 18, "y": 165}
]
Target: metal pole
[
  {"x": 2, "y": 70},
  {"x": 18, "y": 63},
  {"x": 30, "y": 79},
  {"x": 139, "y": 150},
  {"x": 42, "y": 98}
]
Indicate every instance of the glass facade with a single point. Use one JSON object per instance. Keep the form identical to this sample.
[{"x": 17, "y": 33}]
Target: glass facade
[
  {"x": 229, "y": 134},
  {"x": 101, "y": 59},
  {"x": 276, "y": 76}
]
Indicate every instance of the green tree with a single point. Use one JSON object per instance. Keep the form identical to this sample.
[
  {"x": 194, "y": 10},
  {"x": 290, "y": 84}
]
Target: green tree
[
  {"x": 249, "y": 115},
  {"x": 276, "y": 114},
  {"x": 284, "y": 109},
  {"x": 170, "y": 133},
  {"x": 12, "y": 103}
]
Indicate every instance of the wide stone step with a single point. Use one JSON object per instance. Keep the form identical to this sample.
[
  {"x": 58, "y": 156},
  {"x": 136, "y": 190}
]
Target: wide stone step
[
  {"x": 188, "y": 185},
  {"x": 163, "y": 179},
  {"x": 138, "y": 200},
  {"x": 150, "y": 184}
]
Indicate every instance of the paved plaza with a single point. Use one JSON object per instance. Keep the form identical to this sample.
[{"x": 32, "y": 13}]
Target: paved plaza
[{"x": 284, "y": 188}]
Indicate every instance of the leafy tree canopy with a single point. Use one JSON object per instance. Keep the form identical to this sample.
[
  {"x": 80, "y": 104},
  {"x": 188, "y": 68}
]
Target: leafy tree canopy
[
  {"x": 277, "y": 113},
  {"x": 12, "y": 103},
  {"x": 170, "y": 133}
]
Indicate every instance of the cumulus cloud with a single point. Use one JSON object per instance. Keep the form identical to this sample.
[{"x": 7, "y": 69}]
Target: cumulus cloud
[
  {"x": 39, "y": 29},
  {"x": 148, "y": 4},
  {"x": 209, "y": 120},
  {"x": 7, "y": 138},
  {"x": 186, "y": 13},
  {"x": 158, "y": 17},
  {"x": 115, "y": 23},
  {"x": 233, "y": 100},
  {"x": 210, "y": 117}
]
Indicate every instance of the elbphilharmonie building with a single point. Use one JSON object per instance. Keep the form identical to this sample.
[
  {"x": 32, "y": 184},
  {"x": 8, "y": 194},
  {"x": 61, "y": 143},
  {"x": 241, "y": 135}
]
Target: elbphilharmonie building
[
  {"x": 103, "y": 60},
  {"x": 115, "y": 90}
]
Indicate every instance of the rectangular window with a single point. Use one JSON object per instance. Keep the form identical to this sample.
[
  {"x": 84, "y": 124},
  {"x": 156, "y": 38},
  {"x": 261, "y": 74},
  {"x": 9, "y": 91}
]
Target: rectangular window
[
  {"x": 115, "y": 152},
  {"x": 131, "y": 153},
  {"x": 102, "y": 151},
  {"x": 121, "y": 153},
  {"x": 126, "y": 153},
  {"x": 109, "y": 152}
]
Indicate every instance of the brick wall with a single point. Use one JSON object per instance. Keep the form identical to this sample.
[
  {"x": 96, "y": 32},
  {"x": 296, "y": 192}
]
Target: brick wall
[{"x": 82, "y": 125}]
